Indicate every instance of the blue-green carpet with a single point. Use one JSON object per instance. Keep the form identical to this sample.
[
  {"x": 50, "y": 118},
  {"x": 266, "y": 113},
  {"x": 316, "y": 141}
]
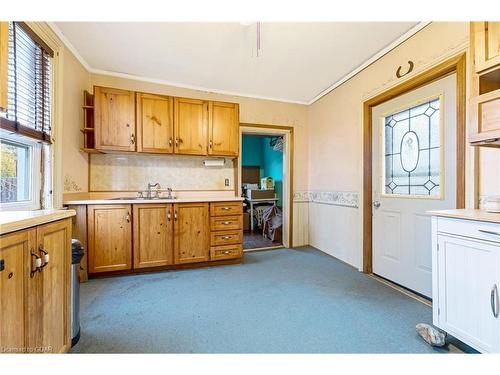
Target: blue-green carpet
[{"x": 279, "y": 301}]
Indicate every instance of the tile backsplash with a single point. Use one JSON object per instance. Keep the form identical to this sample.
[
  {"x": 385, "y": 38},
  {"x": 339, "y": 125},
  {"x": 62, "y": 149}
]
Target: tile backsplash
[{"x": 113, "y": 172}]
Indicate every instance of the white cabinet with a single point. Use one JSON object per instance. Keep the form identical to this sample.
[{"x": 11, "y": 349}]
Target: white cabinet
[{"x": 466, "y": 278}]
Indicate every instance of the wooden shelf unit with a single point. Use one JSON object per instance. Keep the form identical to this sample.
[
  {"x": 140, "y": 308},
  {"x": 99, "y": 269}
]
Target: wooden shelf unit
[
  {"x": 88, "y": 124},
  {"x": 485, "y": 85}
]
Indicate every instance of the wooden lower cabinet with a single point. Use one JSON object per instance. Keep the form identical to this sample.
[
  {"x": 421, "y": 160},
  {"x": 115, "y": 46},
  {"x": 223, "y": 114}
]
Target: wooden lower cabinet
[
  {"x": 153, "y": 235},
  {"x": 35, "y": 307},
  {"x": 13, "y": 278},
  {"x": 191, "y": 232},
  {"x": 123, "y": 237},
  {"x": 109, "y": 237}
]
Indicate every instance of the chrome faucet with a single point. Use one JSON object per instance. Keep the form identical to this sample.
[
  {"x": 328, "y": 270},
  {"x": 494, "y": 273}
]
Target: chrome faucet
[{"x": 150, "y": 185}]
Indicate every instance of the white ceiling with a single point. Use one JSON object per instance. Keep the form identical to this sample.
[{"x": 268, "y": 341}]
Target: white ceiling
[{"x": 297, "y": 63}]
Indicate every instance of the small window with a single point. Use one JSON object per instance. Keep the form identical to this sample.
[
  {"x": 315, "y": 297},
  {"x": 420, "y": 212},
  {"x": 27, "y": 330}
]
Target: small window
[
  {"x": 19, "y": 173},
  {"x": 412, "y": 151}
]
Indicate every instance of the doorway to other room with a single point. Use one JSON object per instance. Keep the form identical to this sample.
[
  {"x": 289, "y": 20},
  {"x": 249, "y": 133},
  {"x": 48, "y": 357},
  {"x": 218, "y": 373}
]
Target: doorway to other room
[{"x": 263, "y": 182}]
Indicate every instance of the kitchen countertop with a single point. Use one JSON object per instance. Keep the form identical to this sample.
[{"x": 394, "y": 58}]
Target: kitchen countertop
[
  {"x": 11, "y": 221},
  {"x": 469, "y": 214},
  {"x": 161, "y": 200}
]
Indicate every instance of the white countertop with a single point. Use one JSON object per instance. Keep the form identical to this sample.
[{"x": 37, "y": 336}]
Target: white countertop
[
  {"x": 469, "y": 214},
  {"x": 157, "y": 201},
  {"x": 11, "y": 221}
]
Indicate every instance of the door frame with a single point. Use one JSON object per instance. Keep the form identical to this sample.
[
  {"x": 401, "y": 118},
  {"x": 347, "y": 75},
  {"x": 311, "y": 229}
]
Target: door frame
[
  {"x": 287, "y": 133},
  {"x": 456, "y": 64}
]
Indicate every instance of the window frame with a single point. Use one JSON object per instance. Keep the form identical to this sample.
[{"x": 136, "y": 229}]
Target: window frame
[
  {"x": 34, "y": 202},
  {"x": 441, "y": 196}
]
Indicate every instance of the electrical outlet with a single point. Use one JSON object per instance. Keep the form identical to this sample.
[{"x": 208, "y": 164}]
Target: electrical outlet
[{"x": 226, "y": 182}]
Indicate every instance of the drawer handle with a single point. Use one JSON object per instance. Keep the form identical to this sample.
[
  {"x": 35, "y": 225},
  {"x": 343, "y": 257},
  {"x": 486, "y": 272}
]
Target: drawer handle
[
  {"x": 45, "y": 256},
  {"x": 489, "y": 232},
  {"x": 225, "y": 208},
  {"x": 38, "y": 264},
  {"x": 127, "y": 217},
  {"x": 168, "y": 215},
  {"x": 226, "y": 237},
  {"x": 494, "y": 301},
  {"x": 226, "y": 252},
  {"x": 226, "y": 223}
]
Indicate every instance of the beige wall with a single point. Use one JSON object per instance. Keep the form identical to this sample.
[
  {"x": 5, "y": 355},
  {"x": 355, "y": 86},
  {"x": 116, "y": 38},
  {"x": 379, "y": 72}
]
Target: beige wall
[
  {"x": 74, "y": 162},
  {"x": 335, "y": 135}
]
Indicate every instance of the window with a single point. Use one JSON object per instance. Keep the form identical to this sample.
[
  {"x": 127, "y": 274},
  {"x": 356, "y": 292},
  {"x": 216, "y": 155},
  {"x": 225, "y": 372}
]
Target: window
[
  {"x": 26, "y": 124},
  {"x": 412, "y": 150},
  {"x": 19, "y": 183}
]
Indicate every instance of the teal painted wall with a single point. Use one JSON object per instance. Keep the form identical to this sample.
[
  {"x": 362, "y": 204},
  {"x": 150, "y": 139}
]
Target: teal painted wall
[
  {"x": 273, "y": 167},
  {"x": 256, "y": 151}
]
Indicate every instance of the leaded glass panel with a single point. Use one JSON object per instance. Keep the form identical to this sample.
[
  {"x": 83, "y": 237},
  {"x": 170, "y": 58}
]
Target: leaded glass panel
[{"x": 412, "y": 149}]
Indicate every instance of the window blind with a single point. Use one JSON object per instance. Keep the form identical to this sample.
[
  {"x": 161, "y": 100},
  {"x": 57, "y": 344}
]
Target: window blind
[{"x": 29, "y": 84}]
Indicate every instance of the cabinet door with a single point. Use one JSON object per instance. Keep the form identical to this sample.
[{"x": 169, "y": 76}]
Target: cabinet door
[
  {"x": 48, "y": 308},
  {"x": 191, "y": 232},
  {"x": 153, "y": 235},
  {"x": 485, "y": 116},
  {"x": 468, "y": 274},
  {"x": 4, "y": 59},
  {"x": 155, "y": 123},
  {"x": 114, "y": 119},
  {"x": 110, "y": 238},
  {"x": 190, "y": 126},
  {"x": 13, "y": 273},
  {"x": 486, "y": 44},
  {"x": 224, "y": 129}
]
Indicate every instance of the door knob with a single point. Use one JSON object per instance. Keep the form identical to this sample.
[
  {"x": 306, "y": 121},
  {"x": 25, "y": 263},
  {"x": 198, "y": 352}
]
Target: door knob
[{"x": 376, "y": 204}]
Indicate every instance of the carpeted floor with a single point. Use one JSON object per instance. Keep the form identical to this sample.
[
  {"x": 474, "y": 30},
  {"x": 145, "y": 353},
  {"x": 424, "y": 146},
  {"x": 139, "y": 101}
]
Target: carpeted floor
[{"x": 277, "y": 301}]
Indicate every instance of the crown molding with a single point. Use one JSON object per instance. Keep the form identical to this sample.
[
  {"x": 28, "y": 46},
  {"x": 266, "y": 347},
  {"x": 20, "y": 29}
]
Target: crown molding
[
  {"x": 336, "y": 84},
  {"x": 371, "y": 60},
  {"x": 191, "y": 87},
  {"x": 68, "y": 45}
]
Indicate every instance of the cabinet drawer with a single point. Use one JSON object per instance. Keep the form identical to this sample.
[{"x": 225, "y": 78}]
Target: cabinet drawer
[
  {"x": 226, "y": 222},
  {"x": 226, "y": 237},
  {"x": 226, "y": 252},
  {"x": 226, "y": 208},
  {"x": 468, "y": 228}
]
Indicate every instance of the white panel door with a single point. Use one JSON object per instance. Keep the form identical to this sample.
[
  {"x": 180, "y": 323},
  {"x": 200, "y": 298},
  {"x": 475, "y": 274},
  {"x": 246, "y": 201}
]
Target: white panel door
[
  {"x": 468, "y": 291},
  {"x": 414, "y": 170}
]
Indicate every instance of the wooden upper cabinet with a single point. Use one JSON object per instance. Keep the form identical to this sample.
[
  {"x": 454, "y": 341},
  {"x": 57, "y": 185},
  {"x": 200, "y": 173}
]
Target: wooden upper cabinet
[
  {"x": 48, "y": 313},
  {"x": 190, "y": 126},
  {"x": 191, "y": 232},
  {"x": 223, "y": 129},
  {"x": 153, "y": 235},
  {"x": 155, "y": 123},
  {"x": 4, "y": 60},
  {"x": 114, "y": 112},
  {"x": 109, "y": 237},
  {"x": 486, "y": 44},
  {"x": 13, "y": 275}
]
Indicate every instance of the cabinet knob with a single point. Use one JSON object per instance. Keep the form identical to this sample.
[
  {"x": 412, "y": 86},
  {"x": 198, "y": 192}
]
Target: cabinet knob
[
  {"x": 210, "y": 144},
  {"x": 127, "y": 217},
  {"x": 168, "y": 216},
  {"x": 175, "y": 215},
  {"x": 170, "y": 141},
  {"x": 132, "y": 138}
]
